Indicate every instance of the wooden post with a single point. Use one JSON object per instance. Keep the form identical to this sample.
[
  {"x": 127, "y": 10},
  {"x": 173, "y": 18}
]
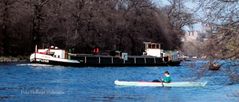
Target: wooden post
[
  {"x": 99, "y": 60},
  {"x": 85, "y": 60},
  {"x": 112, "y": 60},
  {"x": 134, "y": 60}
]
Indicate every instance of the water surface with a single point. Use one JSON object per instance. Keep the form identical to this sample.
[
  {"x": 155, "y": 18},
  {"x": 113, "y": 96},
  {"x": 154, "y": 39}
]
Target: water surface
[{"x": 22, "y": 82}]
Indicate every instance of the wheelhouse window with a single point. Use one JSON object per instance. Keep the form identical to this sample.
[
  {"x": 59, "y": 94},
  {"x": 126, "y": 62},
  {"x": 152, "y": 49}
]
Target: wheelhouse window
[
  {"x": 153, "y": 46},
  {"x": 149, "y": 46},
  {"x": 157, "y": 46}
]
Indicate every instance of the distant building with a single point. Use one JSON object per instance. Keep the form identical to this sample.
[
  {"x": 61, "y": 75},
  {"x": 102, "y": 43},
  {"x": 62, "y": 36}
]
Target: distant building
[
  {"x": 200, "y": 35},
  {"x": 194, "y": 40},
  {"x": 191, "y": 36}
]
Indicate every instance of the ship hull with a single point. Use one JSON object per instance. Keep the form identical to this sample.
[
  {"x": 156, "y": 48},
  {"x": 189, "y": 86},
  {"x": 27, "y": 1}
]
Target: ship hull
[{"x": 102, "y": 61}]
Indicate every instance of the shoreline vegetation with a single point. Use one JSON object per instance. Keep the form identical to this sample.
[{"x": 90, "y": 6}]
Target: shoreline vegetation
[{"x": 11, "y": 59}]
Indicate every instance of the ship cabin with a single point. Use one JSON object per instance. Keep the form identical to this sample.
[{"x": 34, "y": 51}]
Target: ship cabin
[
  {"x": 54, "y": 52},
  {"x": 153, "y": 49}
]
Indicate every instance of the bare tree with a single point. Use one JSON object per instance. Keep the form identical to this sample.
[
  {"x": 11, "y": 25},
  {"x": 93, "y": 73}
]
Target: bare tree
[
  {"x": 178, "y": 14},
  {"x": 222, "y": 18},
  {"x": 37, "y": 19}
]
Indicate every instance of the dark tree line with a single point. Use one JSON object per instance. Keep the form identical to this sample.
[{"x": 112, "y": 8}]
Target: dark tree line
[{"x": 83, "y": 25}]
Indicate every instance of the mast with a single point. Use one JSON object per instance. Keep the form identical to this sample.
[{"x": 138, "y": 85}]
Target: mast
[{"x": 35, "y": 53}]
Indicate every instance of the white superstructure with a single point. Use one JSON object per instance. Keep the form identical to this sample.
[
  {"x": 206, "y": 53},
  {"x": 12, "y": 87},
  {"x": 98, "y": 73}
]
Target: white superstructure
[
  {"x": 57, "y": 53},
  {"x": 51, "y": 55},
  {"x": 153, "y": 49}
]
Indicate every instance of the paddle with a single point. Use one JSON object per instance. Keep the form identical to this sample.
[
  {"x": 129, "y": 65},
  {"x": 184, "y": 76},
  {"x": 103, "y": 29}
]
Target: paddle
[{"x": 162, "y": 81}]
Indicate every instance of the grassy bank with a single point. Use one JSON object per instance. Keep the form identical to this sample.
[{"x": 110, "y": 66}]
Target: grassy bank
[{"x": 10, "y": 59}]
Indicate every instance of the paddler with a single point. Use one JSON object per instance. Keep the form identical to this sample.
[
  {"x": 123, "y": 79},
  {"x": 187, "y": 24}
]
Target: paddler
[{"x": 165, "y": 79}]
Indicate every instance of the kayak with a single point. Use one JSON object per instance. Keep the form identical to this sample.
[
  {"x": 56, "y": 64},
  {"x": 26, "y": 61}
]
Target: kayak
[{"x": 160, "y": 84}]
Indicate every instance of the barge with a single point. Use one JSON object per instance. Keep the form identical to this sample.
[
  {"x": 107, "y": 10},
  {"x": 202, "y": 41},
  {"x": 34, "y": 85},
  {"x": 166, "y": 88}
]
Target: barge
[{"x": 153, "y": 56}]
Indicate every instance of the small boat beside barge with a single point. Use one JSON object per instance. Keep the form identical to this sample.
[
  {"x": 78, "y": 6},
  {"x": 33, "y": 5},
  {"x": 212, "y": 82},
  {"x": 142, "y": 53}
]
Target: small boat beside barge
[{"x": 153, "y": 56}]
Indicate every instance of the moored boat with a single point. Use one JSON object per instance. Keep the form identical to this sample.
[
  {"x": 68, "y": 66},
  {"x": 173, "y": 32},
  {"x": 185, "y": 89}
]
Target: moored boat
[
  {"x": 53, "y": 56},
  {"x": 214, "y": 66},
  {"x": 153, "y": 56},
  {"x": 159, "y": 84}
]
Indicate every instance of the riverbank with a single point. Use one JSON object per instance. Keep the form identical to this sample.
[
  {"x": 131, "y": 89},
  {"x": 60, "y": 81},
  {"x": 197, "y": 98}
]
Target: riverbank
[{"x": 10, "y": 59}]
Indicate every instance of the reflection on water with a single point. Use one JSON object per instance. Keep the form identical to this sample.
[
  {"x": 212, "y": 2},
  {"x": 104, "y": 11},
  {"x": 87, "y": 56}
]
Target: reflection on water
[{"x": 56, "y": 83}]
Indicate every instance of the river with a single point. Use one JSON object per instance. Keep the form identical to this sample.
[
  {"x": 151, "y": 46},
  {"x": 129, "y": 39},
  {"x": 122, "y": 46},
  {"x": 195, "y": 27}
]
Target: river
[{"x": 27, "y": 83}]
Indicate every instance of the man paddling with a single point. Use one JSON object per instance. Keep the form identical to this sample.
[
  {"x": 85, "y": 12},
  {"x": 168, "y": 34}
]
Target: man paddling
[{"x": 166, "y": 79}]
